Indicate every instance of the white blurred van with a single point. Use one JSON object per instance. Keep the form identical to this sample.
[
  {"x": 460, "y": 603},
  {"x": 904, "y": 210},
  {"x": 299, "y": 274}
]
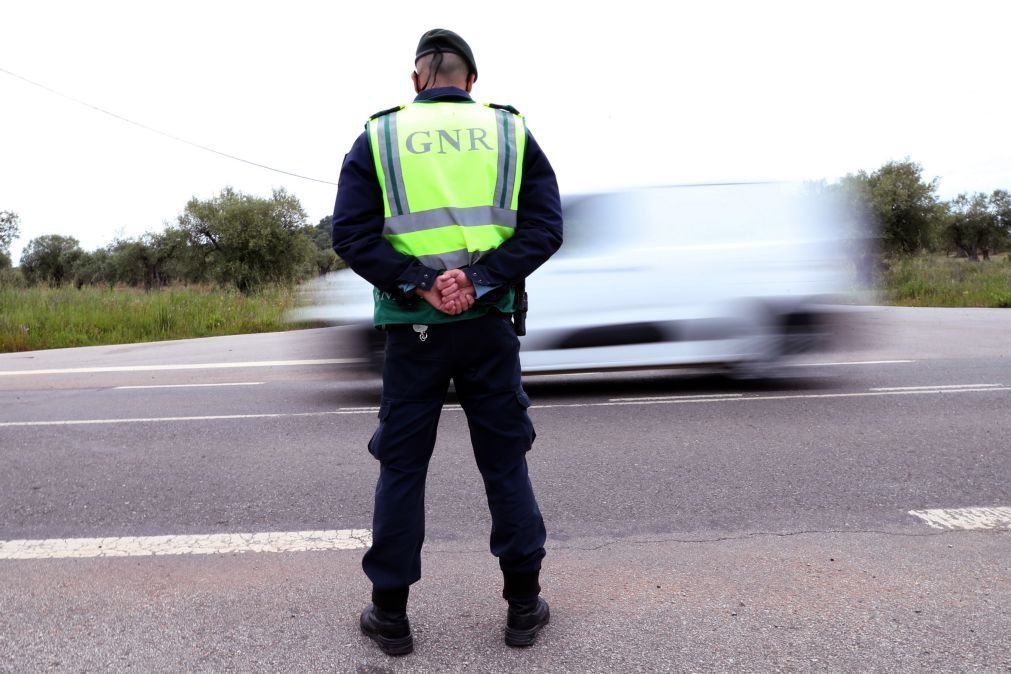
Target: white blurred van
[{"x": 738, "y": 276}]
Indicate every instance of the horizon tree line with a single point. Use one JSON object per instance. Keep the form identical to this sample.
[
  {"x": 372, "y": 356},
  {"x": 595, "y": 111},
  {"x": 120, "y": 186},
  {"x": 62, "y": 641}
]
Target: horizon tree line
[{"x": 246, "y": 241}]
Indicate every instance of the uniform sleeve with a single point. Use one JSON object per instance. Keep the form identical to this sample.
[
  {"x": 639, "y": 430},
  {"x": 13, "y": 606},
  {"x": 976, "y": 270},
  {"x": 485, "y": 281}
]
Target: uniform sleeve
[
  {"x": 358, "y": 227},
  {"x": 538, "y": 226}
]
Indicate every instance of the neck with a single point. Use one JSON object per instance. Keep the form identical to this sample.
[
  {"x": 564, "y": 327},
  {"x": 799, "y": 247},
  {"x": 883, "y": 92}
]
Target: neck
[{"x": 439, "y": 85}]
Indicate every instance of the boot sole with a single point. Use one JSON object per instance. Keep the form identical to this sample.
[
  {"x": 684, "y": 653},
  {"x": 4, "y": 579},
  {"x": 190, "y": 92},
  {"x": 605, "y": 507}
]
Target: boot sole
[
  {"x": 523, "y": 638},
  {"x": 391, "y": 646}
]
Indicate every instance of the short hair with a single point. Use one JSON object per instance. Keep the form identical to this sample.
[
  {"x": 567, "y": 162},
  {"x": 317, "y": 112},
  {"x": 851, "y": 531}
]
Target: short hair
[{"x": 448, "y": 66}]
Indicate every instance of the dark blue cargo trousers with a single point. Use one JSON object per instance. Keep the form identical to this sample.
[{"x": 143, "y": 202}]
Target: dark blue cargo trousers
[{"x": 481, "y": 357}]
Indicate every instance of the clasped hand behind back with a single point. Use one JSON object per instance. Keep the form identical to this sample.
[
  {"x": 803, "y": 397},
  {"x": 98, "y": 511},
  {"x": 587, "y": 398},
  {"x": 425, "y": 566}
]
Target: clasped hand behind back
[{"x": 452, "y": 293}]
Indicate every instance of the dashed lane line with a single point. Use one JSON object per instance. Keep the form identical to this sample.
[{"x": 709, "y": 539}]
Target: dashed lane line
[
  {"x": 853, "y": 362},
  {"x": 614, "y": 402},
  {"x": 201, "y": 544},
  {"x": 183, "y": 366},
  {"x": 944, "y": 386},
  {"x": 966, "y": 519},
  {"x": 678, "y": 397},
  {"x": 234, "y": 383},
  {"x": 791, "y": 396},
  {"x": 150, "y": 420}
]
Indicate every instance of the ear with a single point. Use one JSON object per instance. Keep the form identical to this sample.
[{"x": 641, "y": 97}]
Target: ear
[
  {"x": 470, "y": 81},
  {"x": 417, "y": 82}
]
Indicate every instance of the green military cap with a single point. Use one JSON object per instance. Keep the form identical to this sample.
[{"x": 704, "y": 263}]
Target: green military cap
[{"x": 442, "y": 40}]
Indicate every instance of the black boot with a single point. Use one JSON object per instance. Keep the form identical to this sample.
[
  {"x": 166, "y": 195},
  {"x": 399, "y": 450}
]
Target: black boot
[
  {"x": 390, "y": 631},
  {"x": 528, "y": 613},
  {"x": 524, "y": 620},
  {"x": 385, "y": 621}
]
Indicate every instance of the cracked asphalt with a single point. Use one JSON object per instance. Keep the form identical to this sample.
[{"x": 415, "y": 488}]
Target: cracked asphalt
[{"x": 695, "y": 523}]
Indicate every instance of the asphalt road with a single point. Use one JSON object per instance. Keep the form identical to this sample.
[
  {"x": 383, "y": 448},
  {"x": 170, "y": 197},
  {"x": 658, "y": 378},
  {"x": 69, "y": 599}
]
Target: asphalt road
[{"x": 695, "y": 523}]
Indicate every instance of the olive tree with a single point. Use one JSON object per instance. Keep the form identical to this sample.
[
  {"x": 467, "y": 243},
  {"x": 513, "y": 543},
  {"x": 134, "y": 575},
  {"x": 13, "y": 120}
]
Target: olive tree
[
  {"x": 249, "y": 240},
  {"x": 903, "y": 203},
  {"x": 977, "y": 224},
  {"x": 9, "y": 231},
  {"x": 51, "y": 259}
]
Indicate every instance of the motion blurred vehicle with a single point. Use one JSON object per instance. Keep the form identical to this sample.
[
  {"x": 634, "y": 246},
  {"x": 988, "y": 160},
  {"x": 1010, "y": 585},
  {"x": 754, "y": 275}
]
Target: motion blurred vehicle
[{"x": 737, "y": 276}]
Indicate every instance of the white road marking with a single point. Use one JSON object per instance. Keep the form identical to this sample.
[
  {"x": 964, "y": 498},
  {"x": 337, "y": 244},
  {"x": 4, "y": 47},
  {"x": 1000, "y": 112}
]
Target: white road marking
[
  {"x": 917, "y": 388},
  {"x": 185, "y": 366},
  {"x": 149, "y": 420},
  {"x": 680, "y": 397},
  {"x": 570, "y": 374},
  {"x": 206, "y": 544},
  {"x": 855, "y": 362},
  {"x": 616, "y": 402},
  {"x": 234, "y": 383},
  {"x": 966, "y": 518},
  {"x": 793, "y": 396}
]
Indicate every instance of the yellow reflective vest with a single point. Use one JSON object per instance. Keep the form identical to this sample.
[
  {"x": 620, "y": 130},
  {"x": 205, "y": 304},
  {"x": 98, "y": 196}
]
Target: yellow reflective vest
[{"x": 450, "y": 174}]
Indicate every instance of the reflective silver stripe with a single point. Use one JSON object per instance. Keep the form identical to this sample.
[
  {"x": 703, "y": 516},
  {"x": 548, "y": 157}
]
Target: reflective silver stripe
[
  {"x": 500, "y": 132},
  {"x": 383, "y": 161},
  {"x": 444, "y": 217},
  {"x": 453, "y": 259},
  {"x": 398, "y": 173},
  {"x": 510, "y": 173}
]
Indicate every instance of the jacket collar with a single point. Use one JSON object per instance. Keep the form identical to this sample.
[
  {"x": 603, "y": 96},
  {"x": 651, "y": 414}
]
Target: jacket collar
[{"x": 443, "y": 94}]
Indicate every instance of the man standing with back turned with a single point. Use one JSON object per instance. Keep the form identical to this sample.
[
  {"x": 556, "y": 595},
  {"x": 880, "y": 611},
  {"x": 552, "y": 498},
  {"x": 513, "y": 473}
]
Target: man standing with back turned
[{"x": 445, "y": 206}]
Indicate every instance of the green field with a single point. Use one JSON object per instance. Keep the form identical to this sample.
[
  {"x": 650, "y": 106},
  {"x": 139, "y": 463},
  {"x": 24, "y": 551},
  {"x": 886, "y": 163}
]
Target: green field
[
  {"x": 51, "y": 318},
  {"x": 936, "y": 281}
]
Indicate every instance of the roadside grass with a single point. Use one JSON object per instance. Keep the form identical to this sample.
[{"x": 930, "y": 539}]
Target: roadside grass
[
  {"x": 937, "y": 281},
  {"x": 51, "y": 318}
]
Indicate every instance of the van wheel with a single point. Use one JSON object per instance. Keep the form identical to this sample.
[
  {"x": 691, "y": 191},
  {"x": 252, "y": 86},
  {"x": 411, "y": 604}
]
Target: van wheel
[
  {"x": 761, "y": 369},
  {"x": 766, "y": 364}
]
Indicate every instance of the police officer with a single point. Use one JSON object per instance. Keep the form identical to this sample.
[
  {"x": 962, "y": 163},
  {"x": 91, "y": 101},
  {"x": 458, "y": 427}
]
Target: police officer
[{"x": 444, "y": 206}]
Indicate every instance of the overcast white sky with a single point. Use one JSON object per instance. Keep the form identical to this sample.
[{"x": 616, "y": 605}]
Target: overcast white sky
[{"x": 619, "y": 93}]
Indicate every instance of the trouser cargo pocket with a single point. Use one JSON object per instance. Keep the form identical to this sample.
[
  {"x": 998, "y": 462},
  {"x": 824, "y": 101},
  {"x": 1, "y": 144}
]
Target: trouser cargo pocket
[{"x": 377, "y": 437}]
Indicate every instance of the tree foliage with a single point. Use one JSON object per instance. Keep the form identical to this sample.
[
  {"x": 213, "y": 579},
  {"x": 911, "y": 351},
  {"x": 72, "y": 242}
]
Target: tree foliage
[
  {"x": 10, "y": 229},
  {"x": 94, "y": 268},
  {"x": 904, "y": 205},
  {"x": 147, "y": 261},
  {"x": 249, "y": 240},
  {"x": 977, "y": 224},
  {"x": 321, "y": 236},
  {"x": 232, "y": 239},
  {"x": 51, "y": 259},
  {"x": 1000, "y": 203}
]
